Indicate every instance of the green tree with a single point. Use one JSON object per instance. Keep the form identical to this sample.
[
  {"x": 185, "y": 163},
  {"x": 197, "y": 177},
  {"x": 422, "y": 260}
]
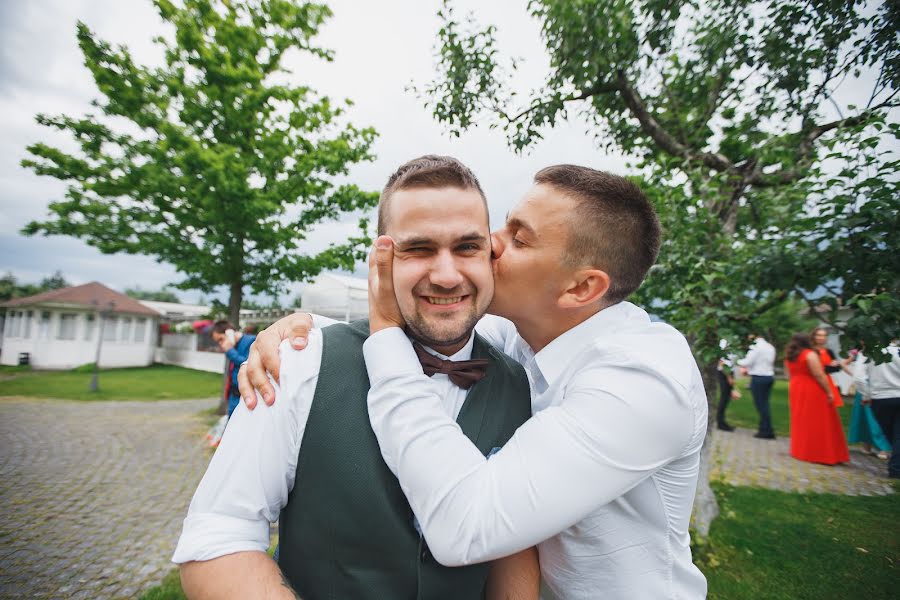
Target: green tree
[
  {"x": 162, "y": 295},
  {"x": 733, "y": 116},
  {"x": 11, "y": 288},
  {"x": 213, "y": 162}
]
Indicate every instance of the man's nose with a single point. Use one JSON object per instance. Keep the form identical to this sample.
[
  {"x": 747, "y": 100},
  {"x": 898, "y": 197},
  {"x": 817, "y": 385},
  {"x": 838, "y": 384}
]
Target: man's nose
[
  {"x": 445, "y": 272},
  {"x": 497, "y": 246}
]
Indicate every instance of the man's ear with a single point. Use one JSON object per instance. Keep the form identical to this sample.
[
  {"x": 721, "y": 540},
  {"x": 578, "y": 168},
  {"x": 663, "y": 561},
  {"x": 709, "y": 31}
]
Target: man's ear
[{"x": 587, "y": 286}]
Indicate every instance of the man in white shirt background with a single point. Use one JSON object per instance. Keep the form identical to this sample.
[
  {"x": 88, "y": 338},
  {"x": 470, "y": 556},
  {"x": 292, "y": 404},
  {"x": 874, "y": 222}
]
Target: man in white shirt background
[
  {"x": 346, "y": 530},
  {"x": 603, "y": 476},
  {"x": 760, "y": 365},
  {"x": 880, "y": 386}
]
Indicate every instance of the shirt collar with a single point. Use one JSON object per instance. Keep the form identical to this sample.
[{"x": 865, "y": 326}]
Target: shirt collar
[
  {"x": 556, "y": 356},
  {"x": 464, "y": 353}
]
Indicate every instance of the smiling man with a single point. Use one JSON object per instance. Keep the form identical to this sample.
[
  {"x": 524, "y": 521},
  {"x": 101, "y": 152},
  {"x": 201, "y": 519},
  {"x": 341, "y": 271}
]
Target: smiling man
[
  {"x": 603, "y": 476},
  {"x": 345, "y": 527}
]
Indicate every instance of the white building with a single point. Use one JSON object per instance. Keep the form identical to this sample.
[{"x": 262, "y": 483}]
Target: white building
[
  {"x": 60, "y": 329},
  {"x": 337, "y": 296},
  {"x": 172, "y": 312}
]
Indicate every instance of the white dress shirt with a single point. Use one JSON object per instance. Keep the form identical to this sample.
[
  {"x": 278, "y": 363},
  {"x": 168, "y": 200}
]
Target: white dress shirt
[
  {"x": 878, "y": 381},
  {"x": 760, "y": 359},
  {"x": 602, "y": 477},
  {"x": 252, "y": 472}
]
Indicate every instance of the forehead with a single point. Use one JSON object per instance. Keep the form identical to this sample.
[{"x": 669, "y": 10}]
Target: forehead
[
  {"x": 544, "y": 210},
  {"x": 436, "y": 212}
]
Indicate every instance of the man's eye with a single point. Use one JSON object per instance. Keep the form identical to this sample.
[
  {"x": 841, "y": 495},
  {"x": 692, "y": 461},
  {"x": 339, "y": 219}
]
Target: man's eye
[
  {"x": 468, "y": 247},
  {"x": 517, "y": 242}
]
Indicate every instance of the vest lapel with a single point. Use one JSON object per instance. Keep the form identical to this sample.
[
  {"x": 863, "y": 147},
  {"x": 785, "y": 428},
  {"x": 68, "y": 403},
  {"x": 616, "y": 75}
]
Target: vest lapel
[{"x": 471, "y": 415}]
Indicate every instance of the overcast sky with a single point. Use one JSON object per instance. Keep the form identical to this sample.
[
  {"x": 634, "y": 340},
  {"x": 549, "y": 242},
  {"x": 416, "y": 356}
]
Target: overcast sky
[{"x": 381, "y": 47}]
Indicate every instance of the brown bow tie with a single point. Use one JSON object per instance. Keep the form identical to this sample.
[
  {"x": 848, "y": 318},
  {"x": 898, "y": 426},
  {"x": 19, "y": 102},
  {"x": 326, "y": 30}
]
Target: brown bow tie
[{"x": 464, "y": 373}]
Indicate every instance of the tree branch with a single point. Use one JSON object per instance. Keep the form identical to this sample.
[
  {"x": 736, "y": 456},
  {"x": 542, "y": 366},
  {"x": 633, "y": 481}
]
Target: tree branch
[
  {"x": 807, "y": 143},
  {"x": 601, "y": 88},
  {"x": 664, "y": 139},
  {"x": 773, "y": 301}
]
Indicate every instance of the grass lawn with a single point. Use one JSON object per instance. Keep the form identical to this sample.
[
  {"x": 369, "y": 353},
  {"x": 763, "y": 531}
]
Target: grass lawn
[
  {"x": 156, "y": 382},
  {"x": 779, "y": 546},
  {"x": 168, "y": 589},
  {"x": 742, "y": 413}
]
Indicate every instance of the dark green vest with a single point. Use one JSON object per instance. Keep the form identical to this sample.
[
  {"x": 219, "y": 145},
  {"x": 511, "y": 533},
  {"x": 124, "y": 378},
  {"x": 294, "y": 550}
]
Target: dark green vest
[{"x": 347, "y": 531}]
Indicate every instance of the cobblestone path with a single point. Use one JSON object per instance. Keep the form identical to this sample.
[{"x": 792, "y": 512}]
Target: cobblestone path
[
  {"x": 741, "y": 459},
  {"x": 92, "y": 494}
]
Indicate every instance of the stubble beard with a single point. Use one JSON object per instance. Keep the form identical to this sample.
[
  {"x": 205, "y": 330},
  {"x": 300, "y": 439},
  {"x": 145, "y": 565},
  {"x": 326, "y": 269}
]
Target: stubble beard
[{"x": 429, "y": 332}]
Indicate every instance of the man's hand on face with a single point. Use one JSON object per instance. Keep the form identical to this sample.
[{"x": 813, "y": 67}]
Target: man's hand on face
[
  {"x": 264, "y": 357},
  {"x": 384, "y": 311}
]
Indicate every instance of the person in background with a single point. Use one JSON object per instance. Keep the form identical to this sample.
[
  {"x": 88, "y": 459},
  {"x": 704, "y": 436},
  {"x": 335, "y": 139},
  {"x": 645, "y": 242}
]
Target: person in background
[
  {"x": 880, "y": 386},
  {"x": 864, "y": 427},
  {"x": 727, "y": 392},
  {"x": 236, "y": 346},
  {"x": 816, "y": 432},
  {"x": 760, "y": 365},
  {"x": 830, "y": 362}
]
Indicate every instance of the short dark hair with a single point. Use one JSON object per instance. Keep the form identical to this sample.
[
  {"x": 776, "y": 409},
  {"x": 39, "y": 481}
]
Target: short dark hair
[
  {"x": 429, "y": 171},
  {"x": 613, "y": 226},
  {"x": 221, "y": 327}
]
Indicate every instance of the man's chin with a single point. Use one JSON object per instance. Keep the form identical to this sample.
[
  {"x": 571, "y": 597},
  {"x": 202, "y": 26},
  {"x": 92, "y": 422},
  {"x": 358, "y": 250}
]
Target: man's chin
[{"x": 440, "y": 336}]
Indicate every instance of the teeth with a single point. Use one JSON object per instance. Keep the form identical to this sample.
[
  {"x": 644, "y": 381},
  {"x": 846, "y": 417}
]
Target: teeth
[{"x": 433, "y": 300}]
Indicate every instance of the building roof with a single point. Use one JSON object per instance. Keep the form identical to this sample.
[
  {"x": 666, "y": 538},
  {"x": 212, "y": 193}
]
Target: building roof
[
  {"x": 174, "y": 309},
  {"x": 355, "y": 283},
  {"x": 89, "y": 295}
]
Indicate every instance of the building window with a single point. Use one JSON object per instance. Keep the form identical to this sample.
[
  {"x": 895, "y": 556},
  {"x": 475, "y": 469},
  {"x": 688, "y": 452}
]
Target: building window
[
  {"x": 44, "y": 325},
  {"x": 89, "y": 323},
  {"x": 13, "y": 324},
  {"x": 67, "y": 323},
  {"x": 125, "y": 331},
  {"x": 109, "y": 329},
  {"x": 140, "y": 328},
  {"x": 26, "y": 332}
]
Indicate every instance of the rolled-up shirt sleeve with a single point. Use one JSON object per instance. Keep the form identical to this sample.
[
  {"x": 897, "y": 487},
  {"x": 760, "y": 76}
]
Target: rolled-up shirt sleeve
[
  {"x": 252, "y": 471},
  {"x": 563, "y": 463}
]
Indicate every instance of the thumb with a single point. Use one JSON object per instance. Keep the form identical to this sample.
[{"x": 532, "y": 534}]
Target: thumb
[
  {"x": 384, "y": 261},
  {"x": 383, "y": 309}
]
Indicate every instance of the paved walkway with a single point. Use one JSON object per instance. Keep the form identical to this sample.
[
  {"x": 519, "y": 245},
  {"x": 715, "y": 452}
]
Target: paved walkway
[
  {"x": 741, "y": 459},
  {"x": 92, "y": 494}
]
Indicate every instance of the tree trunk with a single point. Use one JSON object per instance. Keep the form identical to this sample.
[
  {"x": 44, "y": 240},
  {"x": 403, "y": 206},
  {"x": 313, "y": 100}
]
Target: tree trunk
[
  {"x": 234, "y": 303},
  {"x": 234, "y": 315},
  {"x": 706, "y": 509}
]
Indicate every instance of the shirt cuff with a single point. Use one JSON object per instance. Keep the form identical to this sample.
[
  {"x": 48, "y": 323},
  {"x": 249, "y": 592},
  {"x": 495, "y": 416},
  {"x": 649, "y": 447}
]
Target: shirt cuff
[
  {"x": 389, "y": 353},
  {"x": 209, "y": 536}
]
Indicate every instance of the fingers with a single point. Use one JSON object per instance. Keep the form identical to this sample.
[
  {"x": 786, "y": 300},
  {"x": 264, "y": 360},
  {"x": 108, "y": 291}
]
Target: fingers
[
  {"x": 259, "y": 381},
  {"x": 248, "y": 394},
  {"x": 301, "y": 325}
]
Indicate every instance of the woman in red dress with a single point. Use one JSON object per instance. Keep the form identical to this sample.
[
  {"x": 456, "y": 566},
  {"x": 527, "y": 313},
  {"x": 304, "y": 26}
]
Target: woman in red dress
[
  {"x": 816, "y": 432},
  {"x": 830, "y": 363}
]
